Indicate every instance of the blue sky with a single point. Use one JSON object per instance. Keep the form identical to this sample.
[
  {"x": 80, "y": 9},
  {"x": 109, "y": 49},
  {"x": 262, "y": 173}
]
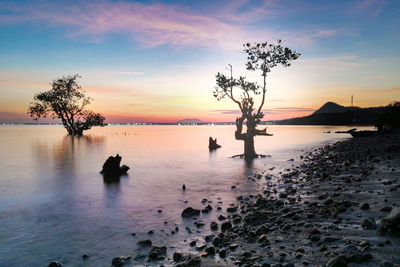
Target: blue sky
[{"x": 157, "y": 60}]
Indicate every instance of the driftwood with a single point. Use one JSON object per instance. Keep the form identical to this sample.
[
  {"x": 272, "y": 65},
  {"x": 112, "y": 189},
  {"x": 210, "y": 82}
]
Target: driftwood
[
  {"x": 112, "y": 170},
  {"x": 212, "y": 144}
]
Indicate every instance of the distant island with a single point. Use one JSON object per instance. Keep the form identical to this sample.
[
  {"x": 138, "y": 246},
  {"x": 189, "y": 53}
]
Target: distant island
[
  {"x": 334, "y": 114},
  {"x": 190, "y": 121}
]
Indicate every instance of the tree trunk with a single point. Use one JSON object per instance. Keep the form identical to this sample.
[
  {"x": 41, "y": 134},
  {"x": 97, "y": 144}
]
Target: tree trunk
[{"x": 249, "y": 152}]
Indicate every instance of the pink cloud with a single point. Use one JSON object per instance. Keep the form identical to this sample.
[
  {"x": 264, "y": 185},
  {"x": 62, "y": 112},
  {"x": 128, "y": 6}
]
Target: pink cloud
[{"x": 160, "y": 24}]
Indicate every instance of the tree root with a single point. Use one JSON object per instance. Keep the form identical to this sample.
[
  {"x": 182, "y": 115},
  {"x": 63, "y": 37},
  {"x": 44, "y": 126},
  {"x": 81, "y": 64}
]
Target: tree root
[{"x": 257, "y": 156}]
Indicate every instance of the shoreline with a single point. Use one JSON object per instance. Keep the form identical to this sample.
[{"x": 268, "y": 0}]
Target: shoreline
[{"x": 325, "y": 212}]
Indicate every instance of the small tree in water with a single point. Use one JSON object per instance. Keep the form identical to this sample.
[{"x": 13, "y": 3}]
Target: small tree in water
[
  {"x": 260, "y": 57},
  {"x": 66, "y": 100}
]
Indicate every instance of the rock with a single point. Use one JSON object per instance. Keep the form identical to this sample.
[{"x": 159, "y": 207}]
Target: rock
[
  {"x": 54, "y": 264},
  {"x": 231, "y": 209},
  {"x": 207, "y": 209},
  {"x": 145, "y": 243},
  {"x": 189, "y": 212},
  {"x": 177, "y": 257},
  {"x": 314, "y": 238},
  {"x": 386, "y": 264},
  {"x": 338, "y": 261},
  {"x": 190, "y": 261},
  {"x": 214, "y": 226},
  {"x": 120, "y": 261},
  {"x": 360, "y": 257},
  {"x": 386, "y": 208},
  {"x": 156, "y": 252},
  {"x": 85, "y": 256},
  {"x": 364, "y": 206},
  {"x": 226, "y": 226},
  {"x": 391, "y": 223},
  {"x": 210, "y": 251},
  {"x": 212, "y": 144},
  {"x": 369, "y": 224},
  {"x": 183, "y": 187},
  {"x": 330, "y": 239}
]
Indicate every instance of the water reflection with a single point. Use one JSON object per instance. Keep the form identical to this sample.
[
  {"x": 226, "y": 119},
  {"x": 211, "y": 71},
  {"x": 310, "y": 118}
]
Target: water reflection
[{"x": 65, "y": 152}]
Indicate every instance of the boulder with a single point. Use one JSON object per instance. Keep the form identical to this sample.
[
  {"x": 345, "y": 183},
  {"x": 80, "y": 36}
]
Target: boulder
[
  {"x": 189, "y": 212},
  {"x": 120, "y": 261},
  {"x": 54, "y": 264},
  {"x": 391, "y": 223}
]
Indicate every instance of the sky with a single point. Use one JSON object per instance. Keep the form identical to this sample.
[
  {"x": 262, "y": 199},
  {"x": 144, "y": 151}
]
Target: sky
[{"x": 156, "y": 61}]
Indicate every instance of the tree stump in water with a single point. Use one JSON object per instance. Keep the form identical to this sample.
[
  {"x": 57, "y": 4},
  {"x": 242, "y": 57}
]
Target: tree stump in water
[
  {"x": 112, "y": 170},
  {"x": 212, "y": 144}
]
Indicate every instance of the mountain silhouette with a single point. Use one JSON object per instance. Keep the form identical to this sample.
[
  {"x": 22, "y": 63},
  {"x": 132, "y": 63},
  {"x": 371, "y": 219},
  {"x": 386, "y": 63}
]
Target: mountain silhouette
[{"x": 331, "y": 107}]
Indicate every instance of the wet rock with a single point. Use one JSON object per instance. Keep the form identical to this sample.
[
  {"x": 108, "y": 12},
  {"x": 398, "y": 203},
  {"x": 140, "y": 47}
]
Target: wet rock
[
  {"x": 226, "y": 226},
  {"x": 314, "y": 238},
  {"x": 145, "y": 243},
  {"x": 189, "y": 212},
  {"x": 360, "y": 257},
  {"x": 156, "y": 253},
  {"x": 364, "y": 206},
  {"x": 207, "y": 209},
  {"x": 191, "y": 262},
  {"x": 177, "y": 257},
  {"x": 214, "y": 226},
  {"x": 338, "y": 261},
  {"x": 231, "y": 209},
  {"x": 391, "y": 223},
  {"x": 386, "y": 208},
  {"x": 186, "y": 260},
  {"x": 120, "y": 261},
  {"x": 54, "y": 264},
  {"x": 386, "y": 264},
  {"x": 85, "y": 256},
  {"x": 210, "y": 251},
  {"x": 369, "y": 224},
  {"x": 330, "y": 239}
]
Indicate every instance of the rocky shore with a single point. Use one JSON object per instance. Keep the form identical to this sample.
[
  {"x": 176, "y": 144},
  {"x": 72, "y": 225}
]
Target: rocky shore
[{"x": 338, "y": 207}]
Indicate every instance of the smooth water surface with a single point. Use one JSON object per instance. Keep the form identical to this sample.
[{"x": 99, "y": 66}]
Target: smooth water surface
[{"x": 56, "y": 206}]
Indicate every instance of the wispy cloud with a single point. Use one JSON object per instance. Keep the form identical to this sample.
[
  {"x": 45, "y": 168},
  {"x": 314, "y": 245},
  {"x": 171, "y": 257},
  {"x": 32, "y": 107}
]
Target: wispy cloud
[
  {"x": 372, "y": 7},
  {"x": 161, "y": 24}
]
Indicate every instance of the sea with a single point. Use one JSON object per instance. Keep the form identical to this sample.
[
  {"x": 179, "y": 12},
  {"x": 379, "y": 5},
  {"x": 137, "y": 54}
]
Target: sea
[{"x": 55, "y": 205}]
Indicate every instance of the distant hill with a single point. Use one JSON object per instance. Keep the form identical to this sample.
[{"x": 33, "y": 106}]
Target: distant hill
[
  {"x": 333, "y": 114},
  {"x": 330, "y": 107},
  {"x": 188, "y": 121}
]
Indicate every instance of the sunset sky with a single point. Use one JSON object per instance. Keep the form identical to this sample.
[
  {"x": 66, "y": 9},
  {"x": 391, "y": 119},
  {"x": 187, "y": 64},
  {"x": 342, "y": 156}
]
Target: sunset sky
[{"x": 156, "y": 61}]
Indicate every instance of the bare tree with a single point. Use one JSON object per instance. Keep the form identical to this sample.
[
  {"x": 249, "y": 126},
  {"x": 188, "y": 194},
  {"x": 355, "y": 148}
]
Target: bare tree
[
  {"x": 260, "y": 57},
  {"x": 66, "y": 100}
]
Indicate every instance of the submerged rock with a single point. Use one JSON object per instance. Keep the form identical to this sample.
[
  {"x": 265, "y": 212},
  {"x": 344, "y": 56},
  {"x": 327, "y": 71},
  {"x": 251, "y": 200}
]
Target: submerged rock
[
  {"x": 54, "y": 264},
  {"x": 156, "y": 253},
  {"x": 120, "y": 261},
  {"x": 189, "y": 212}
]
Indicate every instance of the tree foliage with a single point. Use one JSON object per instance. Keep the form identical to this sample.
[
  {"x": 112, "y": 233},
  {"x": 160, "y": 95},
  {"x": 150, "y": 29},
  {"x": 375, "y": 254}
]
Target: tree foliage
[
  {"x": 66, "y": 100},
  {"x": 389, "y": 118},
  {"x": 261, "y": 57}
]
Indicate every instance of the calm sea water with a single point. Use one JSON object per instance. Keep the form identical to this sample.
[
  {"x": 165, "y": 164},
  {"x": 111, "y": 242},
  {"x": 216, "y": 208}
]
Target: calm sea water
[{"x": 54, "y": 204}]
